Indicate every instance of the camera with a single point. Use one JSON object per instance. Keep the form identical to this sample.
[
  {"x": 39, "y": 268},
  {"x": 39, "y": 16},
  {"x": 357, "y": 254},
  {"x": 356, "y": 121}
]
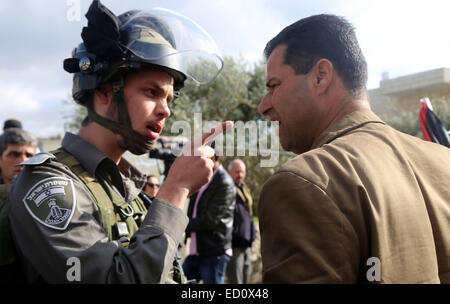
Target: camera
[{"x": 169, "y": 151}]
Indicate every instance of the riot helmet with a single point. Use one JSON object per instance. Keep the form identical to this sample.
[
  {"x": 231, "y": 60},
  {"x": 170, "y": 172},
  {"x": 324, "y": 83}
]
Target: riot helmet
[{"x": 116, "y": 45}]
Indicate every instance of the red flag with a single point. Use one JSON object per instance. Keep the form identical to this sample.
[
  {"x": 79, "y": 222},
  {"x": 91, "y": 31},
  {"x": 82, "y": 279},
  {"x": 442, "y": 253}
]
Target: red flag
[{"x": 432, "y": 128}]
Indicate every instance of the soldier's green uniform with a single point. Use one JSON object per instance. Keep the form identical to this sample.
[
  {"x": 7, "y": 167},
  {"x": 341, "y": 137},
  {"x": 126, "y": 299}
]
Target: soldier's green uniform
[{"x": 46, "y": 239}]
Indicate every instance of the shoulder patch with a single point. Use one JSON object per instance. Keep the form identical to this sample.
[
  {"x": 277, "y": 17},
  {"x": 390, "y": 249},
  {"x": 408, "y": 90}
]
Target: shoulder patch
[
  {"x": 38, "y": 159},
  {"x": 52, "y": 202}
]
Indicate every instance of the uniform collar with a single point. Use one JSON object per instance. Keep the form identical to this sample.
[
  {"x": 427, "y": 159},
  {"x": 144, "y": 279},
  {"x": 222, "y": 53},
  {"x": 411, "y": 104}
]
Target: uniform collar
[
  {"x": 346, "y": 124},
  {"x": 88, "y": 155},
  {"x": 125, "y": 177}
]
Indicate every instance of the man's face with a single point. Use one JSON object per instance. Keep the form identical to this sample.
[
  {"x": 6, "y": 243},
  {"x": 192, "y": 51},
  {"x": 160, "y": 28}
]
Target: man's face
[
  {"x": 152, "y": 186},
  {"x": 289, "y": 102},
  {"x": 238, "y": 172},
  {"x": 13, "y": 155},
  {"x": 148, "y": 94}
]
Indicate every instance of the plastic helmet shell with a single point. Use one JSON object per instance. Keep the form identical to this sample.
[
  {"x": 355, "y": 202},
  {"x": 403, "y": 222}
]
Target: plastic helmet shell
[{"x": 156, "y": 37}]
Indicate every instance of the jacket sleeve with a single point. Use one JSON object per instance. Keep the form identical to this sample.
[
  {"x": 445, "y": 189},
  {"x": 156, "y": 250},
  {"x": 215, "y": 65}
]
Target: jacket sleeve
[
  {"x": 305, "y": 238},
  {"x": 219, "y": 201},
  {"x": 48, "y": 253}
]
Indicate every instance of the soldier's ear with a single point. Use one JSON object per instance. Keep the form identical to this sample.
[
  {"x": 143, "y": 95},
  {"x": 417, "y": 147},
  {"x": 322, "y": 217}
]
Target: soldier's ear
[{"x": 104, "y": 94}]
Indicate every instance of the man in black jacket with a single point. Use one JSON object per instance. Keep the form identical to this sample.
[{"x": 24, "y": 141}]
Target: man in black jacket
[{"x": 210, "y": 228}]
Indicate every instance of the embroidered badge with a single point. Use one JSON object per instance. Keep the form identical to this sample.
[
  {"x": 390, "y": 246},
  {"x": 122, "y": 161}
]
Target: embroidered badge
[{"x": 52, "y": 202}]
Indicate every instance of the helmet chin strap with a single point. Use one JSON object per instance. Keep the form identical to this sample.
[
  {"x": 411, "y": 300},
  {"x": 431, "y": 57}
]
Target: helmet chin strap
[{"x": 134, "y": 142}]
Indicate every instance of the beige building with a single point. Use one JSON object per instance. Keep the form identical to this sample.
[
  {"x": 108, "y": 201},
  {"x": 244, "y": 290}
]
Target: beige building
[{"x": 405, "y": 92}]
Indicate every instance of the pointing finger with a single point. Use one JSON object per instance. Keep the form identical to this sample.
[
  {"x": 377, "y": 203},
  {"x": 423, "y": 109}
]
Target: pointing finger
[
  {"x": 207, "y": 137},
  {"x": 216, "y": 131}
]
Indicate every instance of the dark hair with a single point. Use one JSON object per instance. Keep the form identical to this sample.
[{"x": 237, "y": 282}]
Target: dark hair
[
  {"x": 323, "y": 36},
  {"x": 152, "y": 175},
  {"x": 16, "y": 136},
  {"x": 12, "y": 123}
]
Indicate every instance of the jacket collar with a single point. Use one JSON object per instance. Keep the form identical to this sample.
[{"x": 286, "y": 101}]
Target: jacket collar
[
  {"x": 244, "y": 193},
  {"x": 346, "y": 124}
]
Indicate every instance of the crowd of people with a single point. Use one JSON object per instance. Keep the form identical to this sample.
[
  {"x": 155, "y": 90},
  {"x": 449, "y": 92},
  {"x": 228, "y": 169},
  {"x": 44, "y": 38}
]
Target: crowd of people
[
  {"x": 357, "y": 191},
  {"x": 221, "y": 227}
]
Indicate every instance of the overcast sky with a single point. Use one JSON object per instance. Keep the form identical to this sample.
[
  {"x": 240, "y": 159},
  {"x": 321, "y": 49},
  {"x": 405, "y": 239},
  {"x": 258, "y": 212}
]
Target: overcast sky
[{"x": 396, "y": 36}]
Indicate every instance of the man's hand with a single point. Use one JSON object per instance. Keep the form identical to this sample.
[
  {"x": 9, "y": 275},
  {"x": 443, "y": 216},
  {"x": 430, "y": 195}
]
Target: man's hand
[{"x": 192, "y": 169}]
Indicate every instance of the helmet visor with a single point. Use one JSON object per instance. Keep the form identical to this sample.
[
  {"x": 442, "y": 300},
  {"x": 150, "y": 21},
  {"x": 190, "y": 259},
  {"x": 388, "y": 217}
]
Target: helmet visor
[{"x": 163, "y": 37}]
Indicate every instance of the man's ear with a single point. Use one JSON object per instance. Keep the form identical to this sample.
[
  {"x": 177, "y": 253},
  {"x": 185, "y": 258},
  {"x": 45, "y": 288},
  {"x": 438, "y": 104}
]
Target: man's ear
[{"x": 323, "y": 72}]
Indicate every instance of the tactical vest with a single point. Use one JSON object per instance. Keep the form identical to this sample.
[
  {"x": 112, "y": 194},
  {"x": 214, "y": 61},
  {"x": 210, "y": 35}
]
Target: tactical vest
[{"x": 120, "y": 220}]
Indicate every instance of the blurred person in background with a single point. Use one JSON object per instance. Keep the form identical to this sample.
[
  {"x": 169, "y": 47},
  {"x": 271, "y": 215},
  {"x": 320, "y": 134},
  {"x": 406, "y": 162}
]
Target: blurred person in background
[
  {"x": 210, "y": 228},
  {"x": 239, "y": 267},
  {"x": 16, "y": 146},
  {"x": 152, "y": 187},
  {"x": 12, "y": 123}
]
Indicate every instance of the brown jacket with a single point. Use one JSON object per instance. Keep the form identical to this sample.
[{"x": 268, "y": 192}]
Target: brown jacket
[
  {"x": 245, "y": 197},
  {"x": 364, "y": 190}
]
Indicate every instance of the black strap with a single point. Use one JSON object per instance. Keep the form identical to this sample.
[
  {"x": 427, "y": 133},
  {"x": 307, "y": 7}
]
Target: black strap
[{"x": 135, "y": 142}]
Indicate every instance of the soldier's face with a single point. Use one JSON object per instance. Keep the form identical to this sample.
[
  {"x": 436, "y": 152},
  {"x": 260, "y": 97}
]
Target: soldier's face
[
  {"x": 13, "y": 155},
  {"x": 148, "y": 94}
]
